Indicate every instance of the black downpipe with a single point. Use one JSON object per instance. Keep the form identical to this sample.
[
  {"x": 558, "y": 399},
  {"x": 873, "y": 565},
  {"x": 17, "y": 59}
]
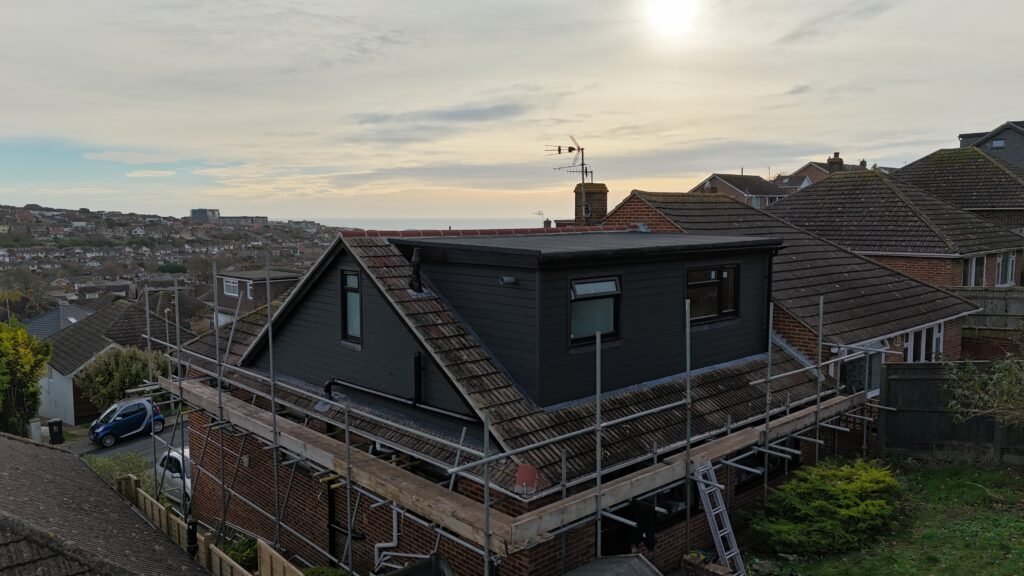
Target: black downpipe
[
  {"x": 417, "y": 378},
  {"x": 329, "y": 387},
  {"x": 332, "y": 547}
]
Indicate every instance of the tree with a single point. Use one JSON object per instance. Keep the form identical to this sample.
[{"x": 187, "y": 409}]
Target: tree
[
  {"x": 23, "y": 360},
  {"x": 105, "y": 379},
  {"x": 997, "y": 392},
  {"x": 172, "y": 268}
]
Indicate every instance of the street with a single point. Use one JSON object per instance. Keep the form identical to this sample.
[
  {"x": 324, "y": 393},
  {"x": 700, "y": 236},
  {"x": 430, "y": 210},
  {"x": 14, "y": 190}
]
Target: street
[{"x": 142, "y": 443}]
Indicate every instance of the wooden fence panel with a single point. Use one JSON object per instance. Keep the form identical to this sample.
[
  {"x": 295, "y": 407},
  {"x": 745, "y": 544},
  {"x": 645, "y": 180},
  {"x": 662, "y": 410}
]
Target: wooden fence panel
[
  {"x": 923, "y": 424},
  {"x": 272, "y": 563},
  {"x": 1002, "y": 308},
  {"x": 222, "y": 565}
]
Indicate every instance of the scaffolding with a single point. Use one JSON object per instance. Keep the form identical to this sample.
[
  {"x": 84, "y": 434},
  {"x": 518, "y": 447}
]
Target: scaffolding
[{"x": 672, "y": 464}]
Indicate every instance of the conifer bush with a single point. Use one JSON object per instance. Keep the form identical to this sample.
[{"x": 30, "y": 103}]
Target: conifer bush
[{"x": 836, "y": 506}]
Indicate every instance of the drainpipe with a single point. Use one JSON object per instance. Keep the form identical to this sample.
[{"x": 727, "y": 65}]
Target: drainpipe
[{"x": 377, "y": 548}]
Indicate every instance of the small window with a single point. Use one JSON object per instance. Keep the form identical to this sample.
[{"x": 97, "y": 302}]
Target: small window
[
  {"x": 999, "y": 143},
  {"x": 248, "y": 290},
  {"x": 351, "y": 308},
  {"x": 593, "y": 308},
  {"x": 230, "y": 287},
  {"x": 713, "y": 292},
  {"x": 1006, "y": 265},
  {"x": 974, "y": 271}
]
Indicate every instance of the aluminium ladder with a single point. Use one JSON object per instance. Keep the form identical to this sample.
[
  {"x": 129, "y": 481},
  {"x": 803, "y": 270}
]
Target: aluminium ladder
[{"x": 718, "y": 518}]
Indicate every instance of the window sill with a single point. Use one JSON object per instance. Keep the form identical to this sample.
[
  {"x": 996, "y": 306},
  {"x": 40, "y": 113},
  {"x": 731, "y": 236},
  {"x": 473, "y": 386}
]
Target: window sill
[
  {"x": 591, "y": 347},
  {"x": 715, "y": 322},
  {"x": 356, "y": 346}
]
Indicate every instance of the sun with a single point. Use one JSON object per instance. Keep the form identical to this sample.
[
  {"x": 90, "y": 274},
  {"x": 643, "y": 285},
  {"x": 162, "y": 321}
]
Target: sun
[{"x": 671, "y": 18}]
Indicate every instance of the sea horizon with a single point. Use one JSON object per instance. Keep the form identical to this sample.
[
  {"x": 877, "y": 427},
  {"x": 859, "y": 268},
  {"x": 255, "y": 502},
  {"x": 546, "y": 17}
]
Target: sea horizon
[{"x": 432, "y": 223}]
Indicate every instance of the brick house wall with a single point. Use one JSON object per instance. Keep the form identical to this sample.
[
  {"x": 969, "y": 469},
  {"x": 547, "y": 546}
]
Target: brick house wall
[
  {"x": 935, "y": 271},
  {"x": 635, "y": 211}
]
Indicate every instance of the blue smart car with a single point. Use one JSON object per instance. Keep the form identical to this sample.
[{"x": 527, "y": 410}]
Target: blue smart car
[{"x": 126, "y": 418}]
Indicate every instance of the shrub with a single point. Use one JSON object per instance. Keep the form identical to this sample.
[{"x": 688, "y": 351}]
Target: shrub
[
  {"x": 243, "y": 551},
  {"x": 324, "y": 571},
  {"x": 104, "y": 380},
  {"x": 833, "y": 507}
]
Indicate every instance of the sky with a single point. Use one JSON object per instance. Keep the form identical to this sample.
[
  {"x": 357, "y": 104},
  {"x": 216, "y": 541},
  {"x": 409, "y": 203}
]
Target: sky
[{"x": 443, "y": 109}]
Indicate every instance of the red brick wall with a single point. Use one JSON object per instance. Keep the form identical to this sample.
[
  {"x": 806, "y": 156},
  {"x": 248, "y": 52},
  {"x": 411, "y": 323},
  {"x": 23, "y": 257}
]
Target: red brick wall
[
  {"x": 952, "y": 340},
  {"x": 799, "y": 335},
  {"x": 934, "y": 271},
  {"x": 634, "y": 210}
]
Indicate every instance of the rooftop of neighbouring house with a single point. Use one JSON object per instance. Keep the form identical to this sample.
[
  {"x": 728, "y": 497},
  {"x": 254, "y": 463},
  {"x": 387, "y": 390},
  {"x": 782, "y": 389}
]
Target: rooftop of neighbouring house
[
  {"x": 967, "y": 177},
  {"x": 593, "y": 244},
  {"x": 261, "y": 274},
  {"x": 863, "y": 300},
  {"x": 868, "y": 211},
  {"x": 58, "y": 517},
  {"x": 56, "y": 319}
]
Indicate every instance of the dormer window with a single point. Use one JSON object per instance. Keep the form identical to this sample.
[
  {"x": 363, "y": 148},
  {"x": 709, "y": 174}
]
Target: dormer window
[
  {"x": 230, "y": 287},
  {"x": 593, "y": 308},
  {"x": 351, "y": 308},
  {"x": 712, "y": 292},
  {"x": 999, "y": 143}
]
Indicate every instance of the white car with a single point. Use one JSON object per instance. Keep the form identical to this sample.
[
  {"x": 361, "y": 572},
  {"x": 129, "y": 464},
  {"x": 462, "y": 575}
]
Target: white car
[{"x": 177, "y": 476}]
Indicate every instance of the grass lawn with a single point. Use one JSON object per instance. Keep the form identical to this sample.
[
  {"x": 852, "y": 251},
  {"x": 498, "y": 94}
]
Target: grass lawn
[{"x": 962, "y": 519}]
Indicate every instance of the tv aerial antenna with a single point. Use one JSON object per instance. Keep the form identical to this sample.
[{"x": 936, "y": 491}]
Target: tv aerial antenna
[{"x": 577, "y": 166}]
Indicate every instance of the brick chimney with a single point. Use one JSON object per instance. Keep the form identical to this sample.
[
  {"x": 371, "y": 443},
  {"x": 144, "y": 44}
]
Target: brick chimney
[
  {"x": 596, "y": 207},
  {"x": 835, "y": 163},
  {"x": 863, "y": 163}
]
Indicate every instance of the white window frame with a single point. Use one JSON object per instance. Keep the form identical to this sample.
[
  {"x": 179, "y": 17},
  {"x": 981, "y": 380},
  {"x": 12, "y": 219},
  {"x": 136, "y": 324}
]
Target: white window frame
[
  {"x": 248, "y": 289},
  {"x": 230, "y": 287},
  {"x": 972, "y": 279},
  {"x": 911, "y": 355},
  {"x": 1008, "y": 279},
  {"x": 998, "y": 143}
]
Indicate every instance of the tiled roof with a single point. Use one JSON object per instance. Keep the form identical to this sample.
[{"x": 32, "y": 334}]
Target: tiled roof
[
  {"x": 868, "y": 211},
  {"x": 863, "y": 300},
  {"x": 57, "y": 319},
  {"x": 846, "y": 167},
  {"x": 122, "y": 323},
  {"x": 56, "y": 494},
  {"x": 752, "y": 185},
  {"x": 968, "y": 178},
  {"x": 26, "y": 551}
]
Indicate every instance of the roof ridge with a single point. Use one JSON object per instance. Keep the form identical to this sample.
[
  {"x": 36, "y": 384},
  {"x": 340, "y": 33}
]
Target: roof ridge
[
  {"x": 471, "y": 232},
  {"x": 1004, "y": 167},
  {"x": 890, "y": 184}
]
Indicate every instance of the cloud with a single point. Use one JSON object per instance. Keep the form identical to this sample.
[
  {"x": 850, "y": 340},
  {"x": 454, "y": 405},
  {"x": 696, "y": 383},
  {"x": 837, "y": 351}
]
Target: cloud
[
  {"x": 849, "y": 13},
  {"x": 459, "y": 114},
  {"x": 127, "y": 157},
  {"x": 150, "y": 174},
  {"x": 798, "y": 89}
]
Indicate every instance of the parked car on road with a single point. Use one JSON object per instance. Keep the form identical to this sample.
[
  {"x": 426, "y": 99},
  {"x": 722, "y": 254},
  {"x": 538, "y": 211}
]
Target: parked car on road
[
  {"x": 124, "y": 419},
  {"x": 176, "y": 474}
]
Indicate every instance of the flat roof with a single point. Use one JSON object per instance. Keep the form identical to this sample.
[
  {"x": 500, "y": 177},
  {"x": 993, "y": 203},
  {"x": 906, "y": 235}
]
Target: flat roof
[
  {"x": 557, "y": 246},
  {"x": 260, "y": 274}
]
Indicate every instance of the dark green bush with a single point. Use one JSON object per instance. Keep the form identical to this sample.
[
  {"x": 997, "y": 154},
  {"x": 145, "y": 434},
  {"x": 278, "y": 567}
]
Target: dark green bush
[
  {"x": 324, "y": 571},
  {"x": 243, "y": 551},
  {"x": 833, "y": 507}
]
